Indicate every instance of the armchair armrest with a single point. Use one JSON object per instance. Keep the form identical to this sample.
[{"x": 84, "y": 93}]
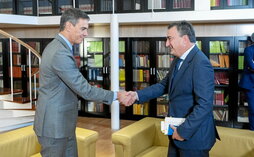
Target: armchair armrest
[
  {"x": 86, "y": 141},
  {"x": 135, "y": 138}
]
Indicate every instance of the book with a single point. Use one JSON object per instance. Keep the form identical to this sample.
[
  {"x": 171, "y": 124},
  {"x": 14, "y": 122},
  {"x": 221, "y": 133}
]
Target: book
[{"x": 165, "y": 125}]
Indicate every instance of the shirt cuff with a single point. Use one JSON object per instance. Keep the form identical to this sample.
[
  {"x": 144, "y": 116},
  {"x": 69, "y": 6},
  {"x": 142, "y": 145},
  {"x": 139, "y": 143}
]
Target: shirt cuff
[{"x": 115, "y": 96}]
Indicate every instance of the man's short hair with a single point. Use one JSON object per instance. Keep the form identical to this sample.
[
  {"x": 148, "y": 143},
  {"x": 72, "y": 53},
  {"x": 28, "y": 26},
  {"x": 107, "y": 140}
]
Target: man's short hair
[
  {"x": 184, "y": 28},
  {"x": 72, "y": 15}
]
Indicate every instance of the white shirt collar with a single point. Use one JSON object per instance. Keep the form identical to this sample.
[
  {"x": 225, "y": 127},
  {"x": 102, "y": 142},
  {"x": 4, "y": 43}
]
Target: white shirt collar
[{"x": 186, "y": 53}]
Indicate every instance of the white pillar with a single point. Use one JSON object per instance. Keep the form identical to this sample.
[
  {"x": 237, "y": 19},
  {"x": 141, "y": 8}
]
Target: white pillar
[
  {"x": 202, "y": 5},
  {"x": 114, "y": 62}
]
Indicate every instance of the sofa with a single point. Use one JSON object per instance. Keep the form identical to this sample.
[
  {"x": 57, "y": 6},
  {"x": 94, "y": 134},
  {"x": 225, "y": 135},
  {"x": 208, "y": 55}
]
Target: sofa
[
  {"x": 144, "y": 139},
  {"x": 23, "y": 143}
]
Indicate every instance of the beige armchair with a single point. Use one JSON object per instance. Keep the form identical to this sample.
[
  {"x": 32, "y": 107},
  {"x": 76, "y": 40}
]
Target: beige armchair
[
  {"x": 23, "y": 143},
  {"x": 144, "y": 139},
  {"x": 141, "y": 139}
]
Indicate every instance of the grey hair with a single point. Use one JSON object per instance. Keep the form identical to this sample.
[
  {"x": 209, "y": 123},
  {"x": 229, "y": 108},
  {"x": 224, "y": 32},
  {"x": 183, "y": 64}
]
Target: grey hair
[
  {"x": 184, "y": 28},
  {"x": 72, "y": 15}
]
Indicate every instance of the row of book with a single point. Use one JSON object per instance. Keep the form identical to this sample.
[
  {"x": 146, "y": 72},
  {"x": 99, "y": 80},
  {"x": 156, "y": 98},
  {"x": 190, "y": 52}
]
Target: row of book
[
  {"x": 106, "y": 5},
  {"x": 164, "y": 61},
  {"x": 16, "y": 47},
  {"x": 45, "y": 9},
  {"x": 140, "y": 75},
  {"x": 28, "y": 10},
  {"x": 95, "y": 47},
  {"x": 95, "y": 74},
  {"x": 218, "y": 46},
  {"x": 140, "y": 61},
  {"x": 242, "y": 45},
  {"x": 240, "y": 62},
  {"x": 156, "y": 4},
  {"x": 221, "y": 78},
  {"x": 17, "y": 71},
  {"x": 86, "y": 7},
  {"x": 122, "y": 86},
  {"x": 96, "y": 61},
  {"x": 95, "y": 107},
  {"x": 140, "y": 47},
  {"x": 6, "y": 10},
  {"x": 65, "y": 7},
  {"x": 162, "y": 110},
  {"x": 220, "y": 114},
  {"x": 243, "y": 115},
  {"x": 214, "y": 3},
  {"x": 221, "y": 61},
  {"x": 17, "y": 60},
  {"x": 220, "y": 98},
  {"x": 177, "y": 4},
  {"x": 121, "y": 75},
  {"x": 141, "y": 109},
  {"x": 237, "y": 2},
  {"x": 121, "y": 61},
  {"x": 161, "y": 47}
]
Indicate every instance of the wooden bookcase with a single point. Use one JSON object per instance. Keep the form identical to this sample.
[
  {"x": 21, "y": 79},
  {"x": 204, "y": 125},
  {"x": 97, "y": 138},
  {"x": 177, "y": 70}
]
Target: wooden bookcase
[
  {"x": 231, "y": 4},
  {"x": 20, "y": 62},
  {"x": 145, "y": 61}
]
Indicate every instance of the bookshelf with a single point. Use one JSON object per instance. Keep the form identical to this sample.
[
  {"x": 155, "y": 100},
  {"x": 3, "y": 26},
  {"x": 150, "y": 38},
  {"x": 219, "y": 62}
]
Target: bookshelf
[
  {"x": 57, "y": 7},
  {"x": 220, "y": 51},
  {"x": 92, "y": 66},
  {"x": 231, "y": 4},
  {"x": 20, "y": 60},
  {"x": 86, "y": 5},
  {"x": 163, "y": 63},
  {"x": 7, "y": 7},
  {"x": 45, "y": 7},
  {"x": 26, "y": 7},
  {"x": 63, "y": 5},
  {"x": 242, "y": 105}
]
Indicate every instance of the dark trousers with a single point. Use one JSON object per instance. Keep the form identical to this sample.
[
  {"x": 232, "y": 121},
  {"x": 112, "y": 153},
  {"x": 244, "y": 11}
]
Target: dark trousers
[
  {"x": 250, "y": 99},
  {"x": 58, "y": 147},
  {"x": 174, "y": 151}
]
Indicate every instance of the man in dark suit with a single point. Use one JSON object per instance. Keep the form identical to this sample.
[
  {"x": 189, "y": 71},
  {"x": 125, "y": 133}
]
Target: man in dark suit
[
  {"x": 60, "y": 83},
  {"x": 247, "y": 80},
  {"x": 190, "y": 86}
]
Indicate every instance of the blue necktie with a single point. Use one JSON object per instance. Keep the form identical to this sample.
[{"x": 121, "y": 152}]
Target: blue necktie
[{"x": 175, "y": 71}]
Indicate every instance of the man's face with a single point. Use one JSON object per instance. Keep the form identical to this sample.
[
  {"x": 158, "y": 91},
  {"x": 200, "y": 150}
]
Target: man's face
[
  {"x": 79, "y": 31},
  {"x": 175, "y": 42}
]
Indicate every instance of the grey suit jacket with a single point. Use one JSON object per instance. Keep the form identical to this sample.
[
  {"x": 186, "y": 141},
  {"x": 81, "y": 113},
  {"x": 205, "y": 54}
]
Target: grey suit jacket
[{"x": 60, "y": 83}]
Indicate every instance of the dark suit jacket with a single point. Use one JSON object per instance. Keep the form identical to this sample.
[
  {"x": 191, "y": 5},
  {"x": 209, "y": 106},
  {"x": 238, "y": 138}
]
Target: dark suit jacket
[
  {"x": 60, "y": 83},
  {"x": 191, "y": 97},
  {"x": 247, "y": 80}
]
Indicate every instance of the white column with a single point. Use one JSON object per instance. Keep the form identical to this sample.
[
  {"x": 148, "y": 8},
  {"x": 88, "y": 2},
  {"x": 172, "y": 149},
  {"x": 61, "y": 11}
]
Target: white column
[
  {"x": 114, "y": 62},
  {"x": 202, "y": 5}
]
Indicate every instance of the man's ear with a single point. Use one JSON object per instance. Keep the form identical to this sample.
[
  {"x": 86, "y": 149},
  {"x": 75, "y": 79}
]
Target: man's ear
[{"x": 68, "y": 26}]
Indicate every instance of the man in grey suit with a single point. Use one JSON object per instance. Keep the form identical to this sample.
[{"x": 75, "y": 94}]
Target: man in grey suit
[
  {"x": 60, "y": 83},
  {"x": 190, "y": 86}
]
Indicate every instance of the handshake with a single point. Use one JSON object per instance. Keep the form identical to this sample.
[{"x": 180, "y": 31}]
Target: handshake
[{"x": 127, "y": 98}]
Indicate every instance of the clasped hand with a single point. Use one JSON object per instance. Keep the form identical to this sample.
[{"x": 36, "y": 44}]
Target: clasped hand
[{"x": 127, "y": 98}]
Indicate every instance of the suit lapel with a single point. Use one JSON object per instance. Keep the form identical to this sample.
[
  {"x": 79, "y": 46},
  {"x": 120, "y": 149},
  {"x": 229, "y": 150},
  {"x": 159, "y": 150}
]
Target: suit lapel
[
  {"x": 61, "y": 40},
  {"x": 183, "y": 68}
]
